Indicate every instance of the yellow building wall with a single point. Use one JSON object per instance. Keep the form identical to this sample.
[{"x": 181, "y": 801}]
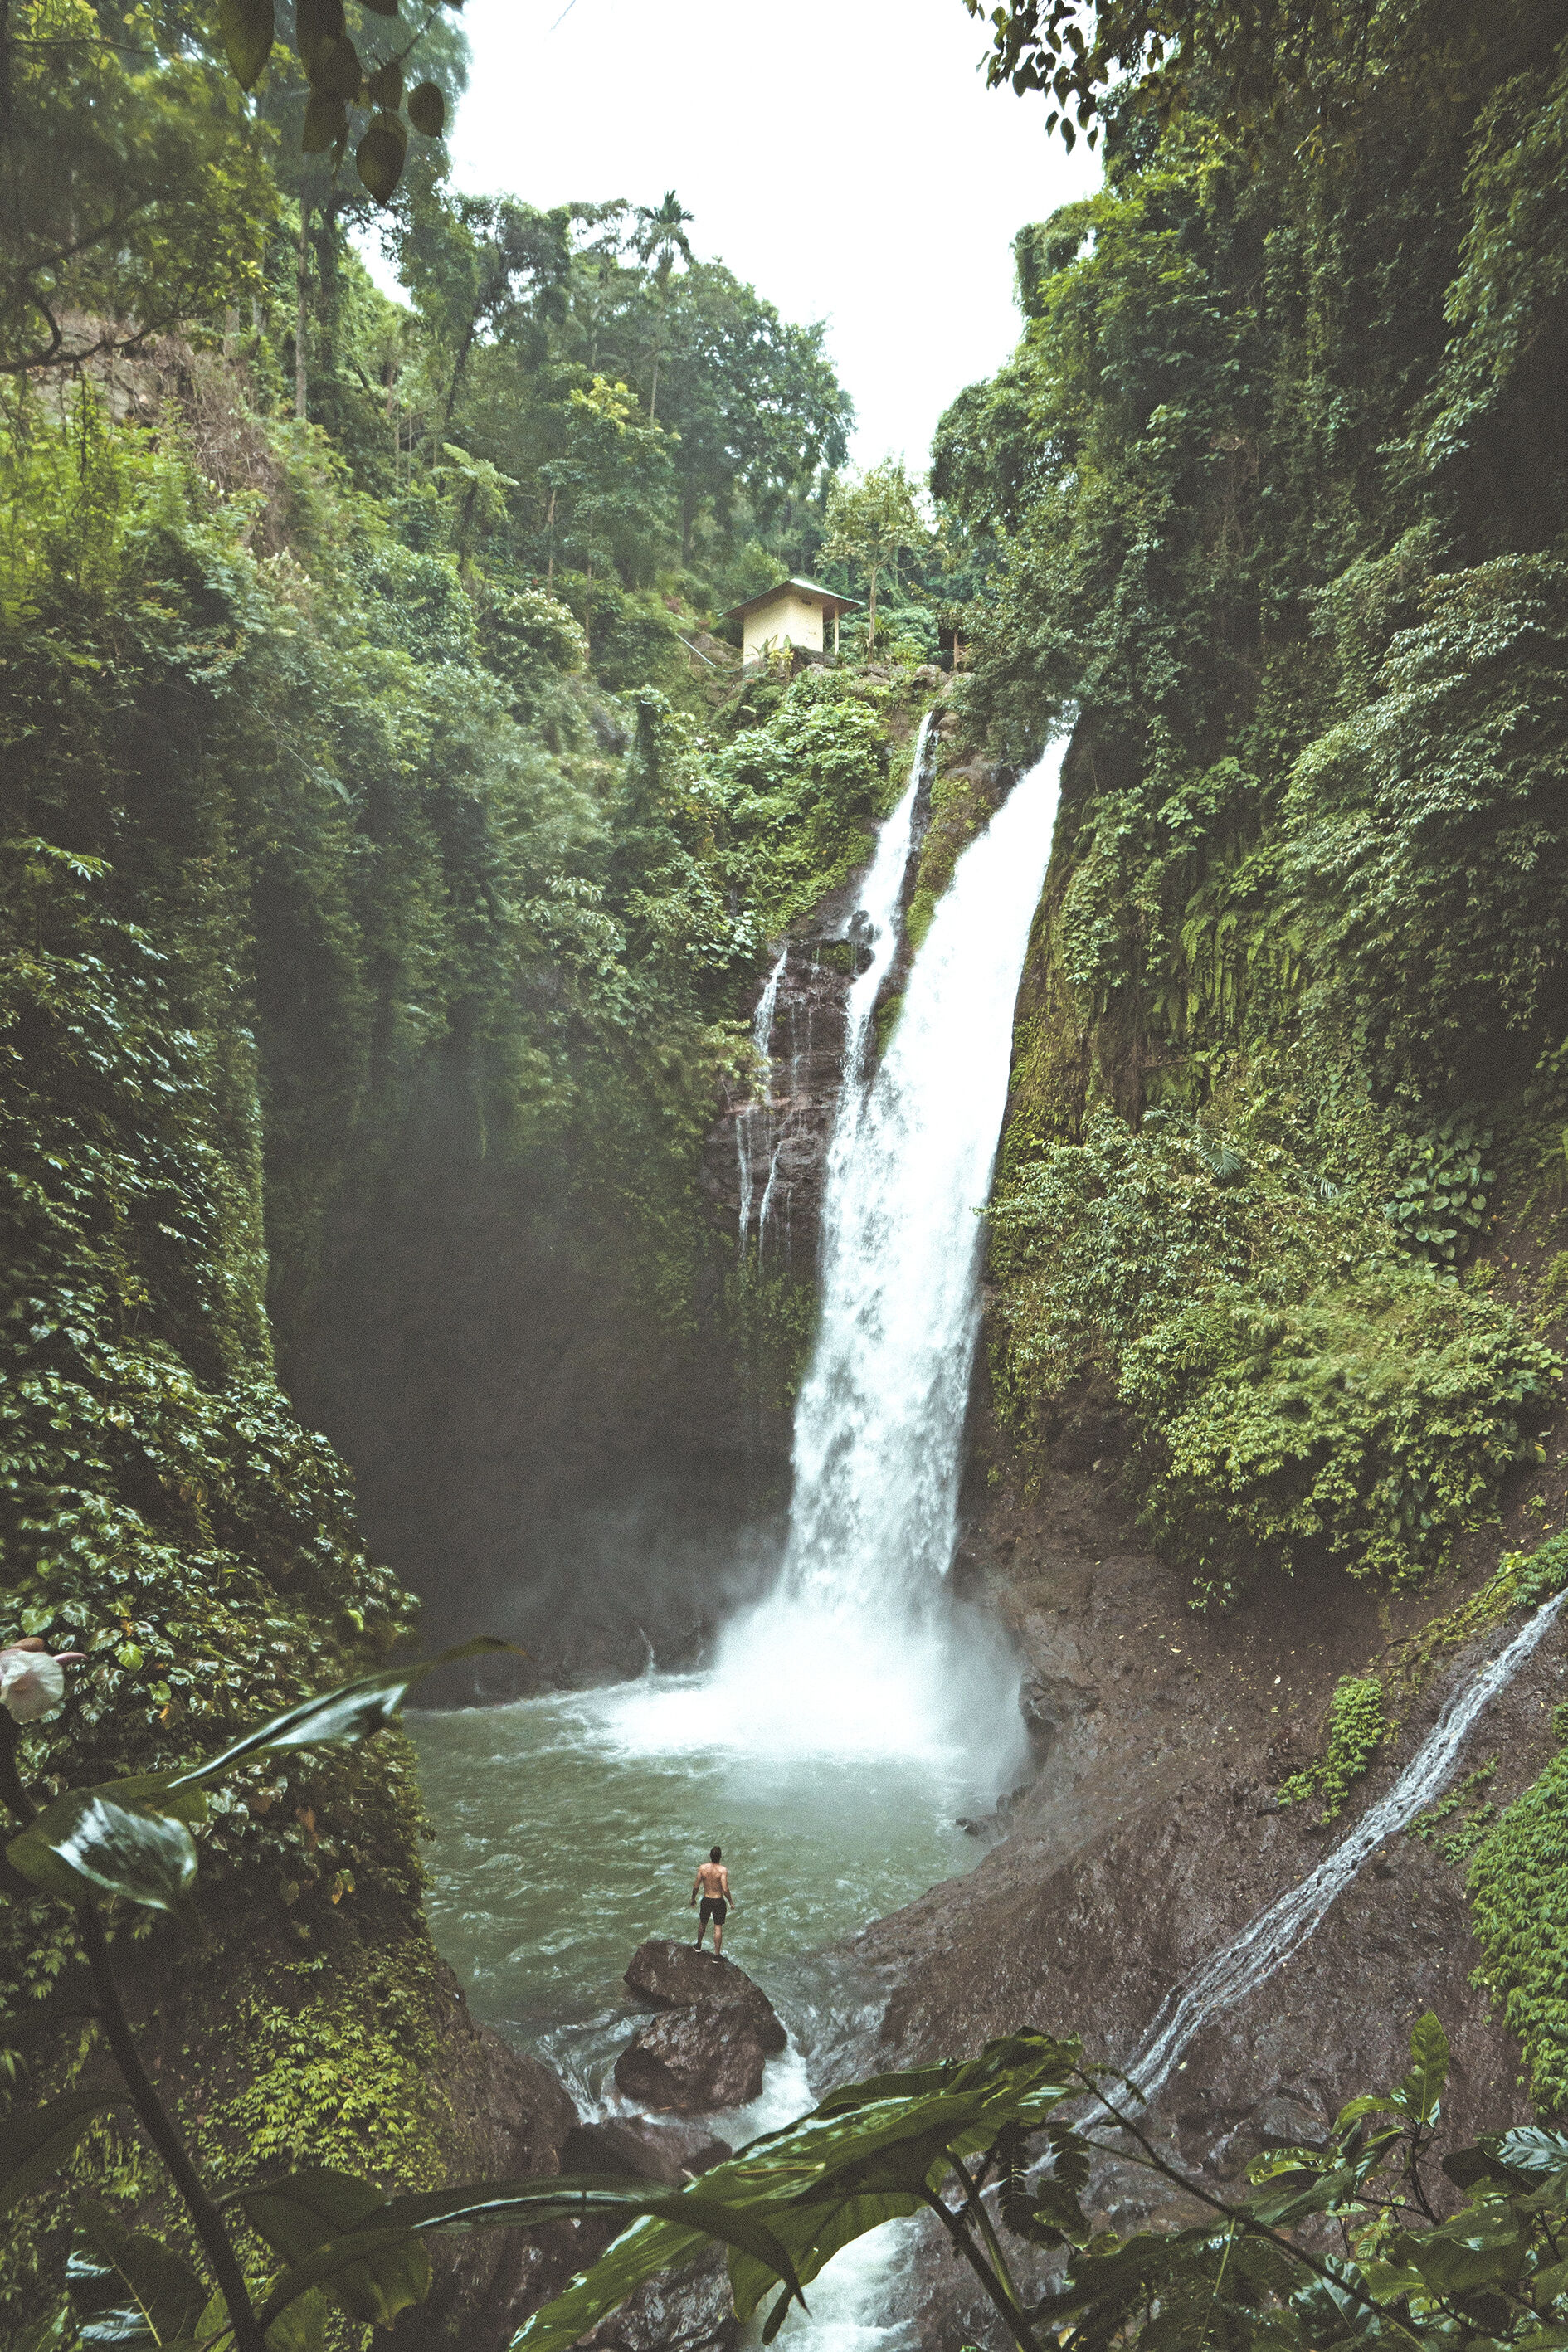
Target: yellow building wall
[{"x": 788, "y": 614}]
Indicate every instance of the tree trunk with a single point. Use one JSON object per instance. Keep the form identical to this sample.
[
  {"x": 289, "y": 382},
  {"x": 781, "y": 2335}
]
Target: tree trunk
[
  {"x": 871, "y": 616},
  {"x": 301, "y": 300},
  {"x": 653, "y": 395},
  {"x": 458, "y": 364}
]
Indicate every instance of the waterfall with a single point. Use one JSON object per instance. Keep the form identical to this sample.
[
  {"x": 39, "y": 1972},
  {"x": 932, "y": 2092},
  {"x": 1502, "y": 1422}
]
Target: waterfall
[
  {"x": 1269, "y": 1939},
  {"x": 851, "y": 1652},
  {"x": 761, "y": 1032},
  {"x": 873, "y": 924}
]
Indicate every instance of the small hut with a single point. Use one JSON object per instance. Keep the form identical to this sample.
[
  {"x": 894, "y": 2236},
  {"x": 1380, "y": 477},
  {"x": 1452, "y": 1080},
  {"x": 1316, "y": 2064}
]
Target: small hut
[{"x": 794, "y": 615}]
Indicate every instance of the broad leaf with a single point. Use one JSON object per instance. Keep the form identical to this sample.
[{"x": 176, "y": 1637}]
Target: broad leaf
[
  {"x": 326, "y": 123},
  {"x": 397, "y": 2226},
  {"x": 36, "y": 2146},
  {"x": 639, "y": 2254},
  {"x": 248, "y": 30},
  {"x": 1421, "y": 2092},
  {"x": 1292, "y": 2196},
  {"x": 300, "y": 2211},
  {"x": 1532, "y": 2150},
  {"x": 127, "y": 2287},
  {"x": 814, "y": 2230},
  {"x": 86, "y": 1842},
  {"x": 869, "y": 2154},
  {"x": 56, "y": 2335},
  {"x": 348, "y": 1713},
  {"x": 379, "y": 157},
  {"x": 427, "y": 111},
  {"x": 304, "y": 2211},
  {"x": 1482, "y": 2247}
]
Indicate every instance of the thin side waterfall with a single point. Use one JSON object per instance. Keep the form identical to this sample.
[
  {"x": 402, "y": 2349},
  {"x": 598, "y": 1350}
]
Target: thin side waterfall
[
  {"x": 874, "y": 925},
  {"x": 761, "y": 1031},
  {"x": 1268, "y": 1940}
]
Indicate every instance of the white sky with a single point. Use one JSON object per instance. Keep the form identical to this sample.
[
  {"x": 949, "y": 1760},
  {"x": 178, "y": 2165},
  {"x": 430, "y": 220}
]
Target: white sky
[{"x": 844, "y": 156}]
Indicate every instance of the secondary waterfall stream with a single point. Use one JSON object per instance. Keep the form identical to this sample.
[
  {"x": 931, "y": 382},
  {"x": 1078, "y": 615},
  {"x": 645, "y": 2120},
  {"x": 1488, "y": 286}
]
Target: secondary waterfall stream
[
  {"x": 849, "y": 1717},
  {"x": 1268, "y": 1942}
]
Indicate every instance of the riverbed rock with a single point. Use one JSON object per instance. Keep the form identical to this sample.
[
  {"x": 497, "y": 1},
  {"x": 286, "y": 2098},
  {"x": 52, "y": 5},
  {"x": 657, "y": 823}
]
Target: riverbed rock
[
  {"x": 635, "y": 2148},
  {"x": 693, "y": 2060},
  {"x": 515, "y": 2117},
  {"x": 691, "y": 2312},
  {"x": 667, "y": 1974}
]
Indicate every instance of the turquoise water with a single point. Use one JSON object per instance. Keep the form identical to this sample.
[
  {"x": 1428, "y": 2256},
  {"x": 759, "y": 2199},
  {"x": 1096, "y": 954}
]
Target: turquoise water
[{"x": 562, "y": 1842}]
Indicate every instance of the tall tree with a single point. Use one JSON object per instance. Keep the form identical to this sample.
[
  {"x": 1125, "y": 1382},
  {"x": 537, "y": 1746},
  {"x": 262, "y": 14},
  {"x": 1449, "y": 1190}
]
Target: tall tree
[{"x": 869, "y": 523}]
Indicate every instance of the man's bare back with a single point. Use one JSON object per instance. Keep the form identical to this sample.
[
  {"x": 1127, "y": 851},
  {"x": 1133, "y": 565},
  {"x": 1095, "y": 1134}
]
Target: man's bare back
[{"x": 712, "y": 1882}]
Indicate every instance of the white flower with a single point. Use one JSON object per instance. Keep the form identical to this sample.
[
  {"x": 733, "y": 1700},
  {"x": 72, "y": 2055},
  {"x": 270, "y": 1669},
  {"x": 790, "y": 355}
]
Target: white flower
[{"x": 32, "y": 1683}]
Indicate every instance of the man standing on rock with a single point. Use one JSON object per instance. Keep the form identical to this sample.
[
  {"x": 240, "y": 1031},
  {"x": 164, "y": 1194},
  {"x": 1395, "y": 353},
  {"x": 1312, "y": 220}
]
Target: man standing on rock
[{"x": 712, "y": 1881}]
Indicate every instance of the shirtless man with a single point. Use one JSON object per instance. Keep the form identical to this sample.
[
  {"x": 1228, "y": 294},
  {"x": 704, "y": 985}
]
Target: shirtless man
[{"x": 712, "y": 1882}]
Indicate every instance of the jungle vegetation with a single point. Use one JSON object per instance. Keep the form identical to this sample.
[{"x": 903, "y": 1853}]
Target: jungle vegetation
[
  {"x": 359, "y": 783},
  {"x": 1271, "y": 504}
]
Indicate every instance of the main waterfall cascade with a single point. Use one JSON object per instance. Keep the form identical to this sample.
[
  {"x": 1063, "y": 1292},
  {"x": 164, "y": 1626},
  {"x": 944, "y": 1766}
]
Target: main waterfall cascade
[{"x": 858, "y": 1651}]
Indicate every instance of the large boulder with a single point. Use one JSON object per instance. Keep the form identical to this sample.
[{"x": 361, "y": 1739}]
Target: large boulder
[
  {"x": 711, "y": 2055},
  {"x": 664, "y": 1974},
  {"x": 687, "y": 2310},
  {"x": 516, "y": 2116},
  {"x": 636, "y": 2150}
]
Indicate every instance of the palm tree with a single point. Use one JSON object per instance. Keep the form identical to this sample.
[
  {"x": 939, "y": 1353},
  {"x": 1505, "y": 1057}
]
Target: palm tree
[
  {"x": 658, "y": 236},
  {"x": 661, "y": 235}
]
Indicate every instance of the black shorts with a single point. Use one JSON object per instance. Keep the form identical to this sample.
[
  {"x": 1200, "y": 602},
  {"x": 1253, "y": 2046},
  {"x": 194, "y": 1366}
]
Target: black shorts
[{"x": 714, "y": 1907}]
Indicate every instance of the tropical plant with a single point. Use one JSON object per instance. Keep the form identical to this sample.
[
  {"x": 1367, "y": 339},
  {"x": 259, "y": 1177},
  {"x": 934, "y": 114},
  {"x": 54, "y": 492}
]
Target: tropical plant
[
  {"x": 1256, "y": 56},
  {"x": 1001, "y": 2151},
  {"x": 661, "y": 235},
  {"x": 341, "y": 2243}
]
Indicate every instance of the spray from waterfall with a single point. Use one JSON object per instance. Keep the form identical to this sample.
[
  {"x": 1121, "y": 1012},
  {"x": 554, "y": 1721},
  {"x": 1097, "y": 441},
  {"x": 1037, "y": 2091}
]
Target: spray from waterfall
[{"x": 1268, "y": 1940}]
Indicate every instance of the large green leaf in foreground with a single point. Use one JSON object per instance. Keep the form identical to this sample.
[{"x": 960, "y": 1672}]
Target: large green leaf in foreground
[{"x": 872, "y": 2152}]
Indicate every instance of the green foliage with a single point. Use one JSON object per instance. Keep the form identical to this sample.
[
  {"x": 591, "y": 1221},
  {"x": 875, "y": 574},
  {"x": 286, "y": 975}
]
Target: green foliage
[
  {"x": 1435, "y": 813},
  {"x": 1258, "y": 57},
  {"x": 344, "y": 86},
  {"x": 1251, "y": 2272},
  {"x": 1356, "y": 1728},
  {"x": 1299, "y": 1387},
  {"x": 798, "y": 796},
  {"x": 959, "y": 808},
  {"x": 869, "y": 525},
  {"x": 1516, "y": 1886},
  {"x": 774, "y": 1316},
  {"x": 131, "y": 192},
  {"x": 1442, "y": 1205},
  {"x": 1254, "y": 490}
]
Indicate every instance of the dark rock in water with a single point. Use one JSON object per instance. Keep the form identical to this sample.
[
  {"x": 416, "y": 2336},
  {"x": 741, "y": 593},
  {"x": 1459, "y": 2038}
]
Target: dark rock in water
[
  {"x": 708, "y": 2056},
  {"x": 640, "y": 2150},
  {"x": 664, "y": 1974}
]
